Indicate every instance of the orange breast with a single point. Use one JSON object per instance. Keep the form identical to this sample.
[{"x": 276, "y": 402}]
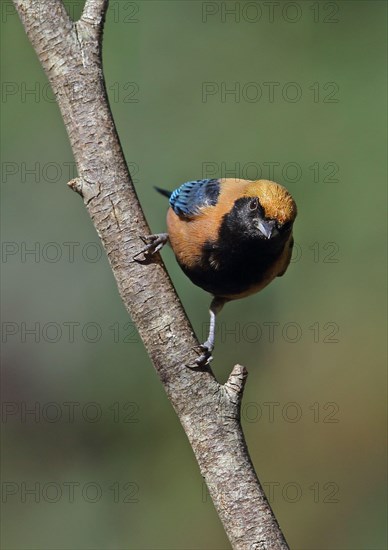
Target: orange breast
[{"x": 187, "y": 236}]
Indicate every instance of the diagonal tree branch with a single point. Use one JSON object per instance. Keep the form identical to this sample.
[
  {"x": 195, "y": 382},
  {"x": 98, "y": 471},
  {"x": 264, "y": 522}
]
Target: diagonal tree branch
[{"x": 70, "y": 54}]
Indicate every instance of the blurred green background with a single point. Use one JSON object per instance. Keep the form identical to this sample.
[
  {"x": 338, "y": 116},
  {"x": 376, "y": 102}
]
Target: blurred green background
[{"x": 190, "y": 87}]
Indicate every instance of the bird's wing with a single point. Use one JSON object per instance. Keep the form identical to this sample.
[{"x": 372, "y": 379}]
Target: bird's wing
[{"x": 189, "y": 198}]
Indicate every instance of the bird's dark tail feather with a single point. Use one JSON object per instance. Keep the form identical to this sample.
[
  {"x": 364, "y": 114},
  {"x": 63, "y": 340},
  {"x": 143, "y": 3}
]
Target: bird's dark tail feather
[{"x": 163, "y": 192}]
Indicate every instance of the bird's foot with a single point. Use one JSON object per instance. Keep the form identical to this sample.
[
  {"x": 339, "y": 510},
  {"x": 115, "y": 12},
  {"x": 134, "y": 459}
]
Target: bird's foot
[
  {"x": 204, "y": 355},
  {"x": 153, "y": 244}
]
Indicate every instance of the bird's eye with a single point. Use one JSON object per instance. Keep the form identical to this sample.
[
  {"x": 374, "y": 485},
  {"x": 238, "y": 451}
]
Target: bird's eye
[{"x": 254, "y": 204}]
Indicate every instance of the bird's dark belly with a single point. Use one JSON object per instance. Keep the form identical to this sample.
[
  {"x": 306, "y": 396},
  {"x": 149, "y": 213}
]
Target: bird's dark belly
[{"x": 234, "y": 272}]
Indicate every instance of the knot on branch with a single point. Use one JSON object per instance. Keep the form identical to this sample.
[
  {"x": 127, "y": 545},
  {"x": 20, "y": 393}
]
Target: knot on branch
[
  {"x": 234, "y": 387},
  {"x": 84, "y": 188}
]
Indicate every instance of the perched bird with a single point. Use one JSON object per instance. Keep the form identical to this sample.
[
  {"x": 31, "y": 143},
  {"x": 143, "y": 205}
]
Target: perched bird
[{"x": 231, "y": 237}]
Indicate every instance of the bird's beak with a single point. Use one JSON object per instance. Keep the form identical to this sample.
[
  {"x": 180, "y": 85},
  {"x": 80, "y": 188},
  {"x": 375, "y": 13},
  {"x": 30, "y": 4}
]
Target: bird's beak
[{"x": 267, "y": 228}]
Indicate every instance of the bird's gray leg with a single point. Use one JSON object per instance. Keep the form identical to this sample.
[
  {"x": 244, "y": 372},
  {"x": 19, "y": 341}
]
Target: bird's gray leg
[
  {"x": 207, "y": 347},
  {"x": 153, "y": 244}
]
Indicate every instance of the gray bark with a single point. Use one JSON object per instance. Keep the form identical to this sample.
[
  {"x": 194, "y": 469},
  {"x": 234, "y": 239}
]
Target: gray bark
[{"x": 70, "y": 53}]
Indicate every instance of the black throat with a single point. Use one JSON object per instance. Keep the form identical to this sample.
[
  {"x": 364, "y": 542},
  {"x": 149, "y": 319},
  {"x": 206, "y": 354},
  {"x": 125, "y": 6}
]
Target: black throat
[{"x": 240, "y": 257}]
